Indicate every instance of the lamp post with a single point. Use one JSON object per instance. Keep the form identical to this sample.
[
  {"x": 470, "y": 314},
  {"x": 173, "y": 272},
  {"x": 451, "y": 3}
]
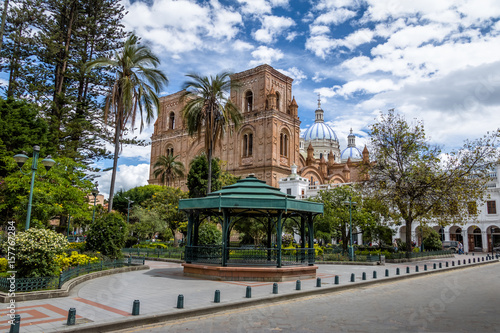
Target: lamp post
[
  {"x": 95, "y": 192},
  {"x": 128, "y": 209},
  {"x": 47, "y": 162},
  {"x": 350, "y": 203}
]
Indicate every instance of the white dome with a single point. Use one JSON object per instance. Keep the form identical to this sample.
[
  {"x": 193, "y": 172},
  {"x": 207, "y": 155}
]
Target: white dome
[
  {"x": 320, "y": 131},
  {"x": 352, "y": 152}
]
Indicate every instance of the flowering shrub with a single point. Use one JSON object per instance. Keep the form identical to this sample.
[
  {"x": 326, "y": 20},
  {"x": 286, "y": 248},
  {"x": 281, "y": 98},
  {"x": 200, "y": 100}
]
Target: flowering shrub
[
  {"x": 79, "y": 246},
  {"x": 64, "y": 262},
  {"x": 36, "y": 251},
  {"x": 286, "y": 240},
  {"x": 3, "y": 265}
]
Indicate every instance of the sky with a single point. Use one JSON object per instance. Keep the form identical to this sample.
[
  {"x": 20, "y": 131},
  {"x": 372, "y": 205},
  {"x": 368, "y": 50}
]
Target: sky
[{"x": 436, "y": 61}]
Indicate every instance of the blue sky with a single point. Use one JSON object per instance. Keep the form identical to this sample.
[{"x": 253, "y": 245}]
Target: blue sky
[{"x": 437, "y": 61}]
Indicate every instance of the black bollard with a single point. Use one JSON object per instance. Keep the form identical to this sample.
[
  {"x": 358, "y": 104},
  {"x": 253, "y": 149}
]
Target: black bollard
[
  {"x": 440, "y": 265},
  {"x": 416, "y": 268},
  {"x": 337, "y": 280},
  {"x": 407, "y": 270},
  {"x": 374, "y": 274},
  {"x": 397, "y": 271},
  {"x": 318, "y": 282},
  {"x": 466, "y": 261},
  {"x": 180, "y": 302},
  {"x": 217, "y": 296},
  {"x": 275, "y": 288},
  {"x": 386, "y": 272},
  {"x": 434, "y": 266},
  {"x": 473, "y": 260},
  {"x": 249, "y": 292},
  {"x": 447, "y": 265},
  {"x": 425, "y": 267},
  {"x": 353, "y": 277},
  {"x": 135, "y": 307},
  {"x": 71, "y": 317},
  {"x": 482, "y": 259},
  {"x": 469, "y": 261},
  {"x": 297, "y": 285},
  {"x": 14, "y": 327},
  {"x": 453, "y": 263},
  {"x": 363, "y": 276}
]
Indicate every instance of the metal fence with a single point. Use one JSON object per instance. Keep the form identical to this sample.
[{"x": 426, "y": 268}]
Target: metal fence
[
  {"x": 56, "y": 282},
  {"x": 172, "y": 253},
  {"x": 249, "y": 256}
]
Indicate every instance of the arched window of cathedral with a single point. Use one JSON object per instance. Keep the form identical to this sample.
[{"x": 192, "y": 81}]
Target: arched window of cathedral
[
  {"x": 170, "y": 151},
  {"x": 249, "y": 101},
  {"x": 284, "y": 144},
  {"x": 247, "y": 144},
  {"x": 172, "y": 120},
  {"x": 277, "y": 101}
]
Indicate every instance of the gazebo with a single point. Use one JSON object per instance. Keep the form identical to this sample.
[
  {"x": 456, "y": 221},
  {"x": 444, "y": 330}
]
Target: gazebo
[{"x": 250, "y": 198}]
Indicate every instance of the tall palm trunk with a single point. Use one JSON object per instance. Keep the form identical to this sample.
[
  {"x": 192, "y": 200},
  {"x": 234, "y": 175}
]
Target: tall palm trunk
[
  {"x": 118, "y": 130},
  {"x": 209, "y": 182}
]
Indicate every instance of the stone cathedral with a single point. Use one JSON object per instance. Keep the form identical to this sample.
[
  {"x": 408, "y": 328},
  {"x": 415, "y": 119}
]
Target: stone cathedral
[{"x": 268, "y": 143}]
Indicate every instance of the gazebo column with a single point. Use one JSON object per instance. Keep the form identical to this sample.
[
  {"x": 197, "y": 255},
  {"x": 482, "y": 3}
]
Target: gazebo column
[
  {"x": 196, "y": 228},
  {"x": 189, "y": 251},
  {"x": 278, "y": 239},
  {"x": 310, "y": 229},
  {"x": 269, "y": 232},
  {"x": 225, "y": 231},
  {"x": 303, "y": 237}
]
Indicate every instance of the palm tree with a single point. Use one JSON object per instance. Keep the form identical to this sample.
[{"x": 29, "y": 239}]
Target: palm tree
[
  {"x": 209, "y": 109},
  {"x": 135, "y": 88},
  {"x": 168, "y": 168}
]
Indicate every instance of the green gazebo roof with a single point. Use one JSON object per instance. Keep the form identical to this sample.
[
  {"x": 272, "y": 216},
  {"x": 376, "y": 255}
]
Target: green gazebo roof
[{"x": 250, "y": 194}]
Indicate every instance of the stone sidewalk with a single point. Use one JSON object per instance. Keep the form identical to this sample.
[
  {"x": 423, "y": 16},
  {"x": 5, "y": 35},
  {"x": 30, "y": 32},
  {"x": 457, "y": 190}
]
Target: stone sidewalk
[{"x": 105, "y": 303}]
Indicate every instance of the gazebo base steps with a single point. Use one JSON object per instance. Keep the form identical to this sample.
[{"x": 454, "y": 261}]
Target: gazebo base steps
[{"x": 238, "y": 273}]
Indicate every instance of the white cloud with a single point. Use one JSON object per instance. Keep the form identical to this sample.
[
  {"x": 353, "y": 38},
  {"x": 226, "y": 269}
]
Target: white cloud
[
  {"x": 127, "y": 177},
  {"x": 335, "y": 16},
  {"x": 368, "y": 86},
  {"x": 265, "y": 55},
  {"x": 272, "y": 26},
  {"x": 242, "y": 46},
  {"x": 322, "y": 45},
  {"x": 296, "y": 74},
  {"x": 255, "y": 7},
  {"x": 182, "y": 26}
]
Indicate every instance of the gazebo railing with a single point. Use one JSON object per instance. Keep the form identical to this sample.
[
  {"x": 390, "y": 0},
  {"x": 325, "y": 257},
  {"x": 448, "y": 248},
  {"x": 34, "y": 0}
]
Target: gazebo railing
[
  {"x": 250, "y": 256},
  {"x": 209, "y": 254}
]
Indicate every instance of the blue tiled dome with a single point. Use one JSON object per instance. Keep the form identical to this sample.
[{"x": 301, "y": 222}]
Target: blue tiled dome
[
  {"x": 352, "y": 152},
  {"x": 320, "y": 131}
]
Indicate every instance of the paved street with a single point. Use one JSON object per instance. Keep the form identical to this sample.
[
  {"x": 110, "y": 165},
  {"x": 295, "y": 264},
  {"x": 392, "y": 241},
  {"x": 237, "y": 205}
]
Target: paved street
[{"x": 465, "y": 300}]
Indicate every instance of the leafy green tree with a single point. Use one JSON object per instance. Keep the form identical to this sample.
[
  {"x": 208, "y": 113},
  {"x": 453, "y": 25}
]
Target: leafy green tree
[
  {"x": 62, "y": 191},
  {"x": 431, "y": 239},
  {"x": 45, "y": 48},
  {"x": 209, "y": 110},
  {"x": 168, "y": 168},
  {"x": 418, "y": 182},
  {"x": 209, "y": 234},
  {"x": 107, "y": 235},
  {"x": 197, "y": 179},
  {"x": 22, "y": 127},
  {"x": 335, "y": 220},
  {"x": 133, "y": 93},
  {"x": 138, "y": 195},
  {"x": 165, "y": 206}
]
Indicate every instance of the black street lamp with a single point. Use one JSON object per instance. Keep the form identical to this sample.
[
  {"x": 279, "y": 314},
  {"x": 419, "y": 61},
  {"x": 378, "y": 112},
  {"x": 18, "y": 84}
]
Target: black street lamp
[
  {"x": 95, "y": 192},
  {"x": 47, "y": 162},
  {"x": 128, "y": 209},
  {"x": 350, "y": 203}
]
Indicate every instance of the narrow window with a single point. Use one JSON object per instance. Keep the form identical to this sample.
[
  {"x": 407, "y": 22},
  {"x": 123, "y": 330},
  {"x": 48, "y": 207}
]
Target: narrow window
[
  {"x": 248, "y": 101},
  {"x": 281, "y": 144},
  {"x": 250, "y": 144},
  {"x": 245, "y": 145},
  {"x": 492, "y": 207},
  {"x": 172, "y": 120},
  {"x": 289, "y": 191}
]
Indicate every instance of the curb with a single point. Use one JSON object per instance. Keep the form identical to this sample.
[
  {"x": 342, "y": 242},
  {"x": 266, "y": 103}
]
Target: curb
[
  {"x": 131, "y": 322},
  {"x": 67, "y": 286}
]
